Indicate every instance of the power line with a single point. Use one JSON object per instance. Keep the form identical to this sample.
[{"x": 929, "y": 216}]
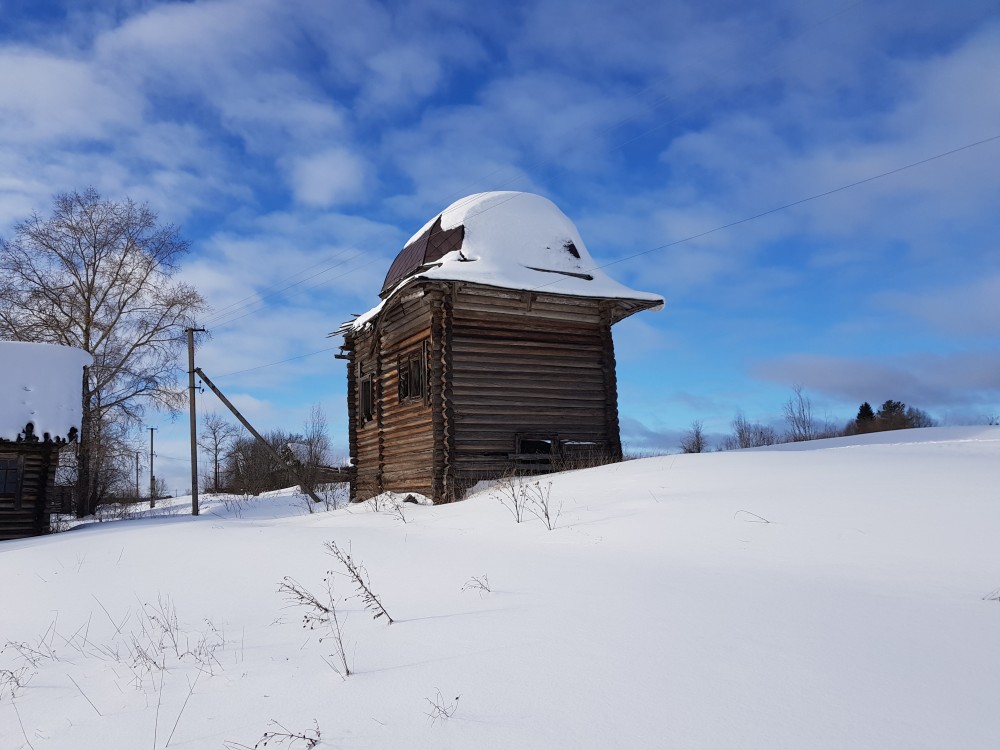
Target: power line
[
  {"x": 272, "y": 364},
  {"x": 663, "y": 100},
  {"x": 699, "y": 235},
  {"x": 252, "y": 299},
  {"x": 785, "y": 206},
  {"x": 227, "y": 315},
  {"x": 225, "y": 319}
]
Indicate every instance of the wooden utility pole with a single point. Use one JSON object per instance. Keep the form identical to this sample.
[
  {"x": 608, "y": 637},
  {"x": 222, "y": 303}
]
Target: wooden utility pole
[
  {"x": 290, "y": 464},
  {"x": 152, "y": 478},
  {"x": 84, "y": 476},
  {"x": 194, "y": 422},
  {"x": 137, "y": 476}
]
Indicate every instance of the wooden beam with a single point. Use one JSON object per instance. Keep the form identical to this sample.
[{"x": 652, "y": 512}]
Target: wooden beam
[{"x": 236, "y": 412}]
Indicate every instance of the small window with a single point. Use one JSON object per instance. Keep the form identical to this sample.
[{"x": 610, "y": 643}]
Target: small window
[
  {"x": 536, "y": 446},
  {"x": 10, "y": 479},
  {"x": 535, "y": 451},
  {"x": 366, "y": 398},
  {"x": 411, "y": 377}
]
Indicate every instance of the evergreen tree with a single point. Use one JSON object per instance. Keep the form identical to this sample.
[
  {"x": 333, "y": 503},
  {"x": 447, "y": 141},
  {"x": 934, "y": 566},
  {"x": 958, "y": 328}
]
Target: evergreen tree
[
  {"x": 865, "y": 421},
  {"x": 892, "y": 416}
]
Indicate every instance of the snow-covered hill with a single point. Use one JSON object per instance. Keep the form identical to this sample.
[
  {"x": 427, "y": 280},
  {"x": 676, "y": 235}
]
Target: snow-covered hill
[{"x": 833, "y": 596}]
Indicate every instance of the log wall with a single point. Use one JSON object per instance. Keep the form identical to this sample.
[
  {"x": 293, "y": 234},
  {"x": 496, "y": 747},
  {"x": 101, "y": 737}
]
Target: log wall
[
  {"x": 396, "y": 449},
  {"x": 535, "y": 365},
  {"x": 26, "y": 513},
  {"x": 499, "y": 364}
]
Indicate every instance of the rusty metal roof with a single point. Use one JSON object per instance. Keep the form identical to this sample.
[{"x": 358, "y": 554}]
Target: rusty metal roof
[{"x": 429, "y": 247}]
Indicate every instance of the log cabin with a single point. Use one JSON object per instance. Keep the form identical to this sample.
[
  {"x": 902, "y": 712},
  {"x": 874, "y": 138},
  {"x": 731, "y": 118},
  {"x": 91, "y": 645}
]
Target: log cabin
[
  {"x": 490, "y": 352},
  {"x": 41, "y": 388}
]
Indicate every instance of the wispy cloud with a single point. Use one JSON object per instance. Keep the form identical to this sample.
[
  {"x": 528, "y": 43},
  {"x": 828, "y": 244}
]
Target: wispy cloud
[
  {"x": 933, "y": 381},
  {"x": 298, "y": 145}
]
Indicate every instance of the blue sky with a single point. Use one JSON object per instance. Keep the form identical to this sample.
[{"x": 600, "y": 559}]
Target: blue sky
[{"x": 304, "y": 142}]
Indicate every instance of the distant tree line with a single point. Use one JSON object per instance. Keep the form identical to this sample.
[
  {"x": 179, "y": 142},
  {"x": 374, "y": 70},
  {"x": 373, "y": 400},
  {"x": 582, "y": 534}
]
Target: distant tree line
[
  {"x": 801, "y": 424},
  {"x": 892, "y": 415}
]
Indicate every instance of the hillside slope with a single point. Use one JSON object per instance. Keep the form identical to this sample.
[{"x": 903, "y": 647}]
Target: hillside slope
[{"x": 825, "y": 595}]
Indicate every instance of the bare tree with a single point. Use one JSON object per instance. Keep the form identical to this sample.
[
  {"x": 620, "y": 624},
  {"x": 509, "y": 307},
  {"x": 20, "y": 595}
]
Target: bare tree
[
  {"x": 314, "y": 451},
  {"x": 747, "y": 434},
  {"x": 251, "y": 468},
  {"x": 694, "y": 440},
  {"x": 216, "y": 438},
  {"x": 98, "y": 274},
  {"x": 799, "y": 417},
  {"x": 160, "y": 488}
]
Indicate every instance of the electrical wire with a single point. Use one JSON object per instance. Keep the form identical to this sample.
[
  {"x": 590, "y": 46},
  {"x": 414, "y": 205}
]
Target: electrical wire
[
  {"x": 272, "y": 364},
  {"x": 707, "y": 232},
  {"x": 226, "y": 318},
  {"x": 255, "y": 310},
  {"x": 227, "y": 315},
  {"x": 252, "y": 299},
  {"x": 785, "y": 206}
]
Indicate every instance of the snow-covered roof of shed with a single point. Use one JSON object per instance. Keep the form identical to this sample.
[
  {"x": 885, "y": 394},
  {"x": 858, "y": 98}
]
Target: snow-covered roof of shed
[
  {"x": 40, "y": 384},
  {"x": 510, "y": 240}
]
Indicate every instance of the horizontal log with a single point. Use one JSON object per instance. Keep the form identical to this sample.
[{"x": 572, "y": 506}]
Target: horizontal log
[
  {"x": 415, "y": 444},
  {"x": 512, "y": 403},
  {"x": 483, "y": 325},
  {"x": 500, "y": 295},
  {"x": 589, "y": 389},
  {"x": 568, "y": 317},
  {"x": 528, "y": 350},
  {"x": 395, "y": 342},
  {"x": 402, "y": 414},
  {"x": 505, "y": 391},
  {"x": 484, "y": 424},
  {"x": 411, "y": 475},
  {"x": 518, "y": 377},
  {"x": 468, "y": 361}
]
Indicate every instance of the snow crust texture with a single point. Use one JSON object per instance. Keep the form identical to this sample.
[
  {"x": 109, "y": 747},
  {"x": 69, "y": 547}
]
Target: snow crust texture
[
  {"x": 842, "y": 595},
  {"x": 520, "y": 241},
  {"x": 40, "y": 384}
]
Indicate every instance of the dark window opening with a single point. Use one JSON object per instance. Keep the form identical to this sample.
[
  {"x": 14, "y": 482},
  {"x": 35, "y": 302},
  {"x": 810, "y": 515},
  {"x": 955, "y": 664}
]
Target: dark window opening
[
  {"x": 10, "y": 479},
  {"x": 366, "y": 398},
  {"x": 536, "y": 446},
  {"x": 535, "y": 451},
  {"x": 412, "y": 380}
]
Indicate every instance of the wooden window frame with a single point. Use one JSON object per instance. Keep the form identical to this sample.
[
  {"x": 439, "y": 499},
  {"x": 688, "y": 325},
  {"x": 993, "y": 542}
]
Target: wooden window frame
[
  {"x": 412, "y": 376},
  {"x": 366, "y": 398},
  {"x": 18, "y": 470}
]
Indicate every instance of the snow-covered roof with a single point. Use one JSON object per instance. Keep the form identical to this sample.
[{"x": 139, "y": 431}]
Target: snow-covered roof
[
  {"x": 510, "y": 240},
  {"x": 41, "y": 384}
]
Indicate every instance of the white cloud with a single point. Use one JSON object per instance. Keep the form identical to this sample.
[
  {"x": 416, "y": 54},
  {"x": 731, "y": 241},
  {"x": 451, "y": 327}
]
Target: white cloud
[
  {"x": 965, "y": 310},
  {"x": 257, "y": 121},
  {"x": 330, "y": 177},
  {"x": 925, "y": 380},
  {"x": 44, "y": 97}
]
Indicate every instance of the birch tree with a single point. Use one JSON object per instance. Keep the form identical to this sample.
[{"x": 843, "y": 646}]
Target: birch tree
[{"x": 98, "y": 274}]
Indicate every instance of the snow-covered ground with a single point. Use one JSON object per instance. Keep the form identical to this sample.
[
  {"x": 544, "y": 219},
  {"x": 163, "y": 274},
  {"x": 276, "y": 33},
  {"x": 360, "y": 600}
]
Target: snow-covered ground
[{"x": 833, "y": 596}]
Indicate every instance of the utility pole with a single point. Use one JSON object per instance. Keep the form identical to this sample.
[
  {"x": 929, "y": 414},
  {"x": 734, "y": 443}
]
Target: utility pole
[
  {"x": 152, "y": 479},
  {"x": 267, "y": 446},
  {"x": 194, "y": 422},
  {"x": 137, "y": 476}
]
